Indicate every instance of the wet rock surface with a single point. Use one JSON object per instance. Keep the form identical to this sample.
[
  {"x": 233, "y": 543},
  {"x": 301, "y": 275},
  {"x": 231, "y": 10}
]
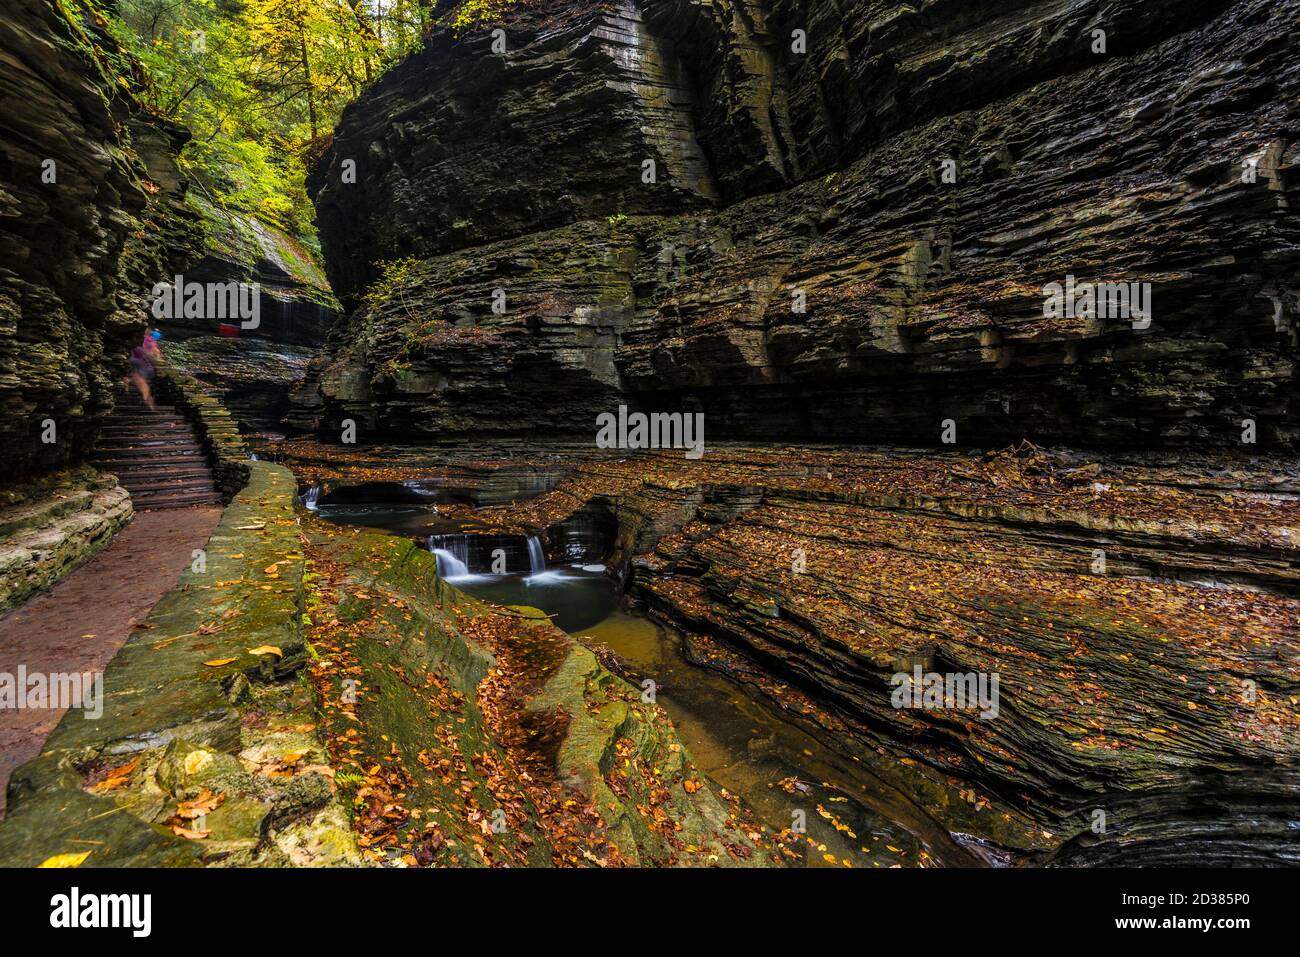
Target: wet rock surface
[
  {"x": 205, "y": 726},
  {"x": 822, "y": 174},
  {"x": 251, "y": 378},
  {"x": 473, "y": 736},
  {"x": 295, "y": 305},
  {"x": 1138, "y": 612}
]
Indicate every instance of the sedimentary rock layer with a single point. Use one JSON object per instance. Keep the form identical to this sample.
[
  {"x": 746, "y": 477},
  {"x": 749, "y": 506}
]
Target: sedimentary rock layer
[
  {"x": 252, "y": 378},
  {"x": 73, "y": 200},
  {"x": 1122, "y": 690},
  {"x": 295, "y": 305},
  {"x": 51, "y": 526},
  {"x": 816, "y": 181},
  {"x": 1139, "y": 613}
]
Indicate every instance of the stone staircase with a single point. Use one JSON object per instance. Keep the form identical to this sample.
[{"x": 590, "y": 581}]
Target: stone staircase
[{"x": 156, "y": 456}]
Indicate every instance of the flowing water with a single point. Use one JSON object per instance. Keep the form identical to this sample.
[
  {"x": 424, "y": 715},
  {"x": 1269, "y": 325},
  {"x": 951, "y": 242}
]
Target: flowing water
[
  {"x": 311, "y": 498},
  {"x": 788, "y": 778}
]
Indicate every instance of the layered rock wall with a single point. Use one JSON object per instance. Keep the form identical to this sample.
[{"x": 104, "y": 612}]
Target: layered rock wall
[
  {"x": 1158, "y": 684},
  {"x": 94, "y": 211},
  {"x": 51, "y": 526},
  {"x": 814, "y": 179},
  {"x": 74, "y": 248},
  {"x": 295, "y": 306}
]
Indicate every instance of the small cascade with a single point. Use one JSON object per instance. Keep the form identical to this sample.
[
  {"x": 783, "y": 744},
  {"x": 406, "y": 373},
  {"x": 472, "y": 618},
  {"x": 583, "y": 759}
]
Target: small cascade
[
  {"x": 311, "y": 497},
  {"x": 538, "y": 575},
  {"x": 452, "y": 553},
  {"x": 449, "y": 566},
  {"x": 536, "y": 557}
]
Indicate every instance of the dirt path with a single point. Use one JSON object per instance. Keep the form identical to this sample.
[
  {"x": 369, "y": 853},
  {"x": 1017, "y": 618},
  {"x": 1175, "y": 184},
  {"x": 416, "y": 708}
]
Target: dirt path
[{"x": 80, "y": 623}]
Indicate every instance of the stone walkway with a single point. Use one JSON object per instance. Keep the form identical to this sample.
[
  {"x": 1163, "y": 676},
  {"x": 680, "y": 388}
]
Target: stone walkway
[{"x": 80, "y": 623}]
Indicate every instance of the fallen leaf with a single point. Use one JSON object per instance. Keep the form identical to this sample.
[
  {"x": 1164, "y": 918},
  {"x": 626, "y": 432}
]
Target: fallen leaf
[
  {"x": 117, "y": 777},
  {"x": 204, "y": 802},
  {"x": 197, "y": 760},
  {"x": 189, "y": 834}
]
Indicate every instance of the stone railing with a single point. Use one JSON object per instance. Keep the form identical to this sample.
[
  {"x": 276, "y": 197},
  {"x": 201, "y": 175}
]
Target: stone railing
[{"x": 220, "y": 433}]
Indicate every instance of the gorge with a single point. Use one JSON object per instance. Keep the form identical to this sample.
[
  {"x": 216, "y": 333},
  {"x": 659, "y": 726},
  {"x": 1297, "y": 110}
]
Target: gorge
[{"x": 458, "y": 611}]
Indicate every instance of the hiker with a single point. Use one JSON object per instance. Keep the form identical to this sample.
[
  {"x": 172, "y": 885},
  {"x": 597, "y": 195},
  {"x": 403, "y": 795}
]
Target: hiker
[{"x": 142, "y": 360}]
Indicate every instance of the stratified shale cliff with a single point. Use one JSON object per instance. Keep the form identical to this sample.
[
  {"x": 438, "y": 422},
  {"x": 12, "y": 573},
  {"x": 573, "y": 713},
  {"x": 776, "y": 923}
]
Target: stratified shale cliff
[
  {"x": 824, "y": 220},
  {"x": 79, "y": 235},
  {"x": 295, "y": 305},
  {"x": 94, "y": 211}
]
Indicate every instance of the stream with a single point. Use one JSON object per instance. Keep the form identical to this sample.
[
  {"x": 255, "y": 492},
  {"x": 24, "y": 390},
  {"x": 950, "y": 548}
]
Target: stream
[{"x": 785, "y": 776}]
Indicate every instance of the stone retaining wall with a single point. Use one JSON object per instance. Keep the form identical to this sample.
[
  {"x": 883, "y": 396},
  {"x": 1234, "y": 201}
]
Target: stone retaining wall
[
  {"x": 49, "y": 527},
  {"x": 217, "y": 430}
]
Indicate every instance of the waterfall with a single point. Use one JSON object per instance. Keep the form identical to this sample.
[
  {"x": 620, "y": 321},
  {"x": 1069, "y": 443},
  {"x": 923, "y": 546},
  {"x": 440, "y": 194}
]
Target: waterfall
[
  {"x": 311, "y": 497},
  {"x": 536, "y": 557},
  {"x": 449, "y": 566},
  {"x": 538, "y": 575},
  {"x": 452, "y": 553}
]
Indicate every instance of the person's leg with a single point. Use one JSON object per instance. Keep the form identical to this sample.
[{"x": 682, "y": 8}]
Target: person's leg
[{"x": 142, "y": 386}]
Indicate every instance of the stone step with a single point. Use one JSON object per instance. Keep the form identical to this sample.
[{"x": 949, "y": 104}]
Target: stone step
[
  {"x": 147, "y": 443},
  {"x": 168, "y": 485},
  {"x": 125, "y": 458},
  {"x": 114, "y": 429},
  {"x": 148, "y": 468},
  {"x": 175, "y": 471},
  {"x": 144, "y": 416},
  {"x": 153, "y": 482},
  {"x": 153, "y": 500},
  {"x": 139, "y": 408}
]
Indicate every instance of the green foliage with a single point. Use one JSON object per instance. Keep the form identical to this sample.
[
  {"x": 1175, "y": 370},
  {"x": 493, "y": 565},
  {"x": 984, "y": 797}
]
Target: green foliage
[
  {"x": 394, "y": 275},
  {"x": 476, "y": 13},
  {"x": 259, "y": 83}
]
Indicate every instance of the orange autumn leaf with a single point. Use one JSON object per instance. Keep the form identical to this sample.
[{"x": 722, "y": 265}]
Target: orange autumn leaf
[{"x": 117, "y": 777}]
